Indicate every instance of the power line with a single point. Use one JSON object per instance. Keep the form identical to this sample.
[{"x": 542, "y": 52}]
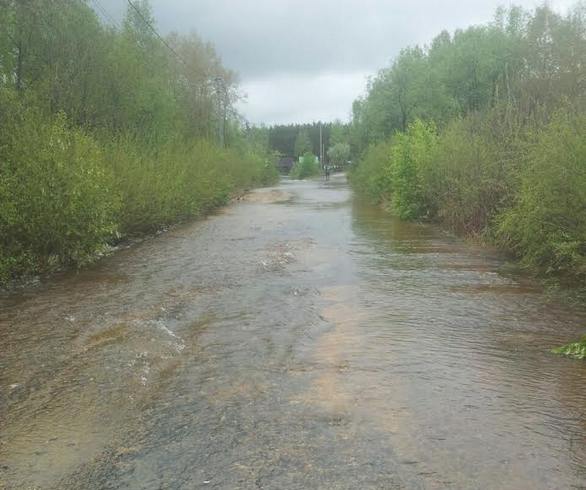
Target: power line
[
  {"x": 108, "y": 16},
  {"x": 105, "y": 14},
  {"x": 155, "y": 32},
  {"x": 215, "y": 81},
  {"x": 220, "y": 82}
]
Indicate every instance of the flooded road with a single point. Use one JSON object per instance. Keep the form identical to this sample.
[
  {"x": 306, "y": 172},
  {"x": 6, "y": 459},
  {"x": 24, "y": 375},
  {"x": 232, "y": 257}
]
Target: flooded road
[{"x": 297, "y": 339}]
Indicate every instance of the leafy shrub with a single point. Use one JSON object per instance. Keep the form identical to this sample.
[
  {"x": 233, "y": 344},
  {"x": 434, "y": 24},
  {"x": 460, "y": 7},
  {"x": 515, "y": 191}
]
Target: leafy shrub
[
  {"x": 412, "y": 156},
  {"x": 546, "y": 227},
  {"x": 339, "y": 154},
  {"x": 101, "y": 133},
  {"x": 576, "y": 350},
  {"x": 482, "y": 175},
  {"x": 306, "y": 167},
  {"x": 500, "y": 168},
  {"x": 164, "y": 184},
  {"x": 56, "y": 201},
  {"x": 372, "y": 175},
  {"x": 466, "y": 188},
  {"x": 65, "y": 195}
]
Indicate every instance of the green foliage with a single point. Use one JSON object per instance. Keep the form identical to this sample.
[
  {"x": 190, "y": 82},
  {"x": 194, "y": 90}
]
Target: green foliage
[
  {"x": 123, "y": 79},
  {"x": 338, "y": 133},
  {"x": 473, "y": 173},
  {"x": 180, "y": 180},
  {"x": 339, "y": 154},
  {"x": 546, "y": 226},
  {"x": 302, "y": 143},
  {"x": 307, "y": 166},
  {"x": 104, "y": 132},
  {"x": 412, "y": 155},
  {"x": 577, "y": 350},
  {"x": 532, "y": 61},
  {"x": 56, "y": 200},
  {"x": 372, "y": 177},
  {"x": 283, "y": 138},
  {"x": 498, "y": 165},
  {"x": 64, "y": 195}
]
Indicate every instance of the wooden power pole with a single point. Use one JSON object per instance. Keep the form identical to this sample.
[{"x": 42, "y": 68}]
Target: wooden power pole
[{"x": 321, "y": 146}]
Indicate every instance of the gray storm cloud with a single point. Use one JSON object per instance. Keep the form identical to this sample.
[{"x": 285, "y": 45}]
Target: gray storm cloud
[{"x": 301, "y": 59}]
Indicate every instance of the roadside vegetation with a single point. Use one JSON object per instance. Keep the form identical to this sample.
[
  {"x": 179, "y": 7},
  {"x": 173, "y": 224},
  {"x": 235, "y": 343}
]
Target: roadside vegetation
[
  {"x": 294, "y": 141},
  {"x": 484, "y": 131},
  {"x": 307, "y": 166},
  {"x": 106, "y": 131},
  {"x": 339, "y": 154},
  {"x": 576, "y": 350}
]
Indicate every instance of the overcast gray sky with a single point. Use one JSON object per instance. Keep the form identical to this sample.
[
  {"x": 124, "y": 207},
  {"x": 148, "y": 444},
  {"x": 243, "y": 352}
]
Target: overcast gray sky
[{"x": 306, "y": 60}]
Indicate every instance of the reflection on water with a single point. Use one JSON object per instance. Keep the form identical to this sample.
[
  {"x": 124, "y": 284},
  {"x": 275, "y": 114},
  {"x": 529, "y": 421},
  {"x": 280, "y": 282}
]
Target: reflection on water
[{"x": 297, "y": 339}]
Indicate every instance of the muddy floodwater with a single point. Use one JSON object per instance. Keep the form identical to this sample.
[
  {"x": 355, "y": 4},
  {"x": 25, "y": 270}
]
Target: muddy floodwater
[{"x": 297, "y": 339}]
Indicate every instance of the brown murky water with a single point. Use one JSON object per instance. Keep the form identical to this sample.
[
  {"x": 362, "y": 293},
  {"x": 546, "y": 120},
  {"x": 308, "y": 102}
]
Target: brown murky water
[{"x": 298, "y": 339}]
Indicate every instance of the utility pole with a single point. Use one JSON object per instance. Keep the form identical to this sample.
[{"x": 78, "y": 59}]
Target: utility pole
[{"x": 321, "y": 146}]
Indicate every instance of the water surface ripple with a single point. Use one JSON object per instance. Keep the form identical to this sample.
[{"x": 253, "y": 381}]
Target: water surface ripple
[{"x": 298, "y": 339}]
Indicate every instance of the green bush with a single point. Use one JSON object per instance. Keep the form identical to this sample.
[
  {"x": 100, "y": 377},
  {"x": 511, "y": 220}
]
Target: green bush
[
  {"x": 546, "y": 227},
  {"x": 179, "y": 180},
  {"x": 372, "y": 175},
  {"x": 65, "y": 195},
  {"x": 160, "y": 185},
  {"x": 481, "y": 176},
  {"x": 502, "y": 166},
  {"x": 468, "y": 188},
  {"x": 103, "y": 134},
  {"x": 56, "y": 201},
  {"x": 412, "y": 157},
  {"x": 306, "y": 167},
  {"x": 577, "y": 350}
]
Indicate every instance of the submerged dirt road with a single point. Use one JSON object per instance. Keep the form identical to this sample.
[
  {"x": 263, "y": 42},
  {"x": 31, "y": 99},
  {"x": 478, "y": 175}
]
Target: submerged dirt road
[{"x": 298, "y": 339}]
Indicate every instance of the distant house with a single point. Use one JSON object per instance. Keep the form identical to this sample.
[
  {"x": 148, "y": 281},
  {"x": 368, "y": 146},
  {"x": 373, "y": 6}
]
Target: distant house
[{"x": 285, "y": 164}]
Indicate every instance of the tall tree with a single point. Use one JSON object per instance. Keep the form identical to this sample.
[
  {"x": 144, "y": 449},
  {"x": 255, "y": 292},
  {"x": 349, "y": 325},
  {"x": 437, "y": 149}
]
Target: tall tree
[{"x": 303, "y": 143}]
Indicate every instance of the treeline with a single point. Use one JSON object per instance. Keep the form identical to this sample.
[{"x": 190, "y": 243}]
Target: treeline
[
  {"x": 109, "y": 130},
  {"x": 297, "y": 139},
  {"x": 484, "y": 131}
]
